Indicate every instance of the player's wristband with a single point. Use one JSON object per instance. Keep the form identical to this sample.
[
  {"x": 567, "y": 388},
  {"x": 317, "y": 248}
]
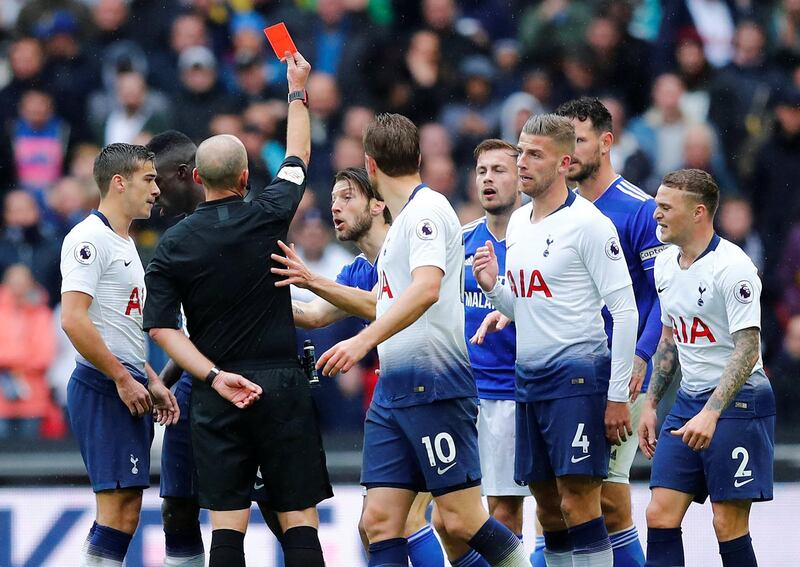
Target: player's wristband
[
  {"x": 300, "y": 95},
  {"x": 211, "y": 376}
]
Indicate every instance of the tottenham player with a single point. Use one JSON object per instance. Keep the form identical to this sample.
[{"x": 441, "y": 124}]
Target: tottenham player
[
  {"x": 631, "y": 211},
  {"x": 420, "y": 432},
  {"x": 112, "y": 390},
  {"x": 718, "y": 439},
  {"x": 492, "y": 358},
  {"x": 563, "y": 261},
  {"x": 361, "y": 216}
]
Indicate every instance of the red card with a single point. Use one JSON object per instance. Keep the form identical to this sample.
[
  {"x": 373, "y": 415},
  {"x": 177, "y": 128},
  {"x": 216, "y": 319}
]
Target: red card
[{"x": 280, "y": 40}]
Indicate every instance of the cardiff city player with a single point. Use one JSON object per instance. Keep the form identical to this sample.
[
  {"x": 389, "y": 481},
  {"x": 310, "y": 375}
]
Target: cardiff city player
[
  {"x": 718, "y": 439},
  {"x": 359, "y": 216},
  {"x": 420, "y": 432},
  {"x": 631, "y": 211},
  {"x": 112, "y": 391},
  {"x": 563, "y": 261}
]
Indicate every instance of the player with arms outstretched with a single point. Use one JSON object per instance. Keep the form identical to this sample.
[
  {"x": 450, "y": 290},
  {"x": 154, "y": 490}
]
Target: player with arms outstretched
[
  {"x": 718, "y": 439},
  {"x": 563, "y": 261}
]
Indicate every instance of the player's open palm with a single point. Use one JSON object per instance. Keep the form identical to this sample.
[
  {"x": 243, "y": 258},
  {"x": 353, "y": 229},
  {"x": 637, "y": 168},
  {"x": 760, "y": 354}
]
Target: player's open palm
[
  {"x": 297, "y": 70},
  {"x": 237, "y": 389},
  {"x": 165, "y": 407},
  {"x": 294, "y": 270},
  {"x": 135, "y": 396},
  {"x": 492, "y": 323},
  {"x": 484, "y": 266},
  {"x": 648, "y": 436}
]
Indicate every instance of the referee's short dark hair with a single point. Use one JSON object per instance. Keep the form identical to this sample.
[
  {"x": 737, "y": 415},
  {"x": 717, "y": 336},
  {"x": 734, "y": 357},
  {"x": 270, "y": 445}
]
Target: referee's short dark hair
[
  {"x": 358, "y": 179},
  {"x": 699, "y": 183},
  {"x": 118, "y": 159},
  {"x": 588, "y": 108},
  {"x": 392, "y": 140}
]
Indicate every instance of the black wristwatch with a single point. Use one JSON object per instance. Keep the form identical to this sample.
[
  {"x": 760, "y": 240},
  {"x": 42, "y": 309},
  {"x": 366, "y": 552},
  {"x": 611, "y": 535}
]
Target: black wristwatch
[
  {"x": 211, "y": 376},
  {"x": 301, "y": 95}
]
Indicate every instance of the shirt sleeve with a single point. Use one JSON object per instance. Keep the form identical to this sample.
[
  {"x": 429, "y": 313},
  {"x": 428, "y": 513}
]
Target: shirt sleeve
[
  {"x": 162, "y": 310},
  {"x": 282, "y": 196},
  {"x": 427, "y": 233},
  {"x": 741, "y": 287},
  {"x": 622, "y": 306},
  {"x": 84, "y": 258},
  {"x": 345, "y": 276},
  {"x": 658, "y": 268},
  {"x": 603, "y": 256}
]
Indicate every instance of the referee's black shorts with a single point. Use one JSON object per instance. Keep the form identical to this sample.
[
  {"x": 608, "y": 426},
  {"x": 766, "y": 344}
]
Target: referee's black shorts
[{"x": 279, "y": 433}]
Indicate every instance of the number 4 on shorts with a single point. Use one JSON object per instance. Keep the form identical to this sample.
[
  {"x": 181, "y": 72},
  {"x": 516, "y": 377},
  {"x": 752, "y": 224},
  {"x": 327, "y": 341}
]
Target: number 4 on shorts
[{"x": 580, "y": 440}]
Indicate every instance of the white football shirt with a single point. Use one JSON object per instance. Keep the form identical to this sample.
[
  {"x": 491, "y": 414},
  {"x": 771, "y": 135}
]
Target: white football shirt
[
  {"x": 558, "y": 271},
  {"x": 427, "y": 360},
  {"x": 97, "y": 261},
  {"x": 705, "y": 304}
]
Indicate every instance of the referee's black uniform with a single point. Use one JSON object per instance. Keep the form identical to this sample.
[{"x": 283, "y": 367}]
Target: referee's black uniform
[{"x": 216, "y": 264}]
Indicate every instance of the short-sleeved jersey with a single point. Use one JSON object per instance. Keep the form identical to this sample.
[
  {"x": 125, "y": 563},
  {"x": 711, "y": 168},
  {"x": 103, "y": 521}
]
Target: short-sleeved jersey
[
  {"x": 558, "y": 270},
  {"x": 493, "y": 361},
  {"x": 705, "y": 304},
  {"x": 359, "y": 273},
  {"x": 97, "y": 261},
  {"x": 426, "y": 361},
  {"x": 631, "y": 211},
  {"x": 215, "y": 263}
]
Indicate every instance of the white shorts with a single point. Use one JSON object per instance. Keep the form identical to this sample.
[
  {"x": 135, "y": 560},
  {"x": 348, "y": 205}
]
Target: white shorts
[
  {"x": 619, "y": 466},
  {"x": 496, "y": 436}
]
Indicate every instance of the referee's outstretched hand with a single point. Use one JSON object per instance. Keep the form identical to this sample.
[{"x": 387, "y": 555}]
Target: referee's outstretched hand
[
  {"x": 297, "y": 70},
  {"x": 237, "y": 389}
]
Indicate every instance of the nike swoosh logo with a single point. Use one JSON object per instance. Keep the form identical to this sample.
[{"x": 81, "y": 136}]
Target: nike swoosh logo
[
  {"x": 739, "y": 484},
  {"x": 128, "y": 263},
  {"x": 444, "y": 470},
  {"x": 574, "y": 460},
  {"x": 257, "y": 486},
  {"x": 662, "y": 289}
]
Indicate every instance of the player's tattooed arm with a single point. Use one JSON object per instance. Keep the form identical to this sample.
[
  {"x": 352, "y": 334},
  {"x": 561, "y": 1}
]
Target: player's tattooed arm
[
  {"x": 746, "y": 349},
  {"x": 665, "y": 364}
]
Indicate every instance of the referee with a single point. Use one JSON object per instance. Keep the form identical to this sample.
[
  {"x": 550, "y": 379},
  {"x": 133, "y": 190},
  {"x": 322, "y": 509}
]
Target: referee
[{"x": 215, "y": 264}]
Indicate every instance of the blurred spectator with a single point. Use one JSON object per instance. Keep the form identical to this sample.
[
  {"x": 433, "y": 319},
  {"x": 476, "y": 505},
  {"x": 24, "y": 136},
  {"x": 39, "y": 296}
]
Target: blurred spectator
[
  {"x": 226, "y": 123},
  {"x": 253, "y": 139},
  {"x": 439, "y": 172},
  {"x": 70, "y": 71},
  {"x": 477, "y": 115},
  {"x": 788, "y": 28},
  {"x": 201, "y": 95},
  {"x": 740, "y": 94},
  {"x": 135, "y": 110},
  {"x": 514, "y": 112},
  {"x": 697, "y": 75},
  {"x": 701, "y": 151},
  {"x": 111, "y": 22},
  {"x": 789, "y": 274},
  {"x": 434, "y": 140},
  {"x": 40, "y": 140},
  {"x": 736, "y": 224},
  {"x": 27, "y": 347},
  {"x": 26, "y": 58},
  {"x": 784, "y": 373},
  {"x": 188, "y": 30},
  {"x": 627, "y": 156},
  {"x": 251, "y": 78},
  {"x": 712, "y": 20},
  {"x": 661, "y": 130},
  {"x": 347, "y": 152},
  {"x": 551, "y": 27},
  {"x": 70, "y": 201},
  {"x": 266, "y": 116},
  {"x": 23, "y": 241},
  {"x": 81, "y": 164},
  {"x": 578, "y": 75},
  {"x": 324, "y": 108},
  {"x": 440, "y": 18},
  {"x": 773, "y": 193},
  {"x": 36, "y": 14},
  {"x": 507, "y": 60}
]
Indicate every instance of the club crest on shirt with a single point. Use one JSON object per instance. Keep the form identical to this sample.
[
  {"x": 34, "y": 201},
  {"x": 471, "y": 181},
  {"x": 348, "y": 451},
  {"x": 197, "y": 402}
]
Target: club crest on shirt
[
  {"x": 426, "y": 230},
  {"x": 85, "y": 253},
  {"x": 743, "y": 292},
  {"x": 613, "y": 249},
  {"x": 549, "y": 241},
  {"x": 701, "y": 289}
]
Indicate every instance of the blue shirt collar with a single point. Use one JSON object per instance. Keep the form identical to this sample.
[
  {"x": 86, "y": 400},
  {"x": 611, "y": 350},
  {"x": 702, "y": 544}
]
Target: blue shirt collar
[
  {"x": 414, "y": 193},
  {"x": 710, "y": 248},
  {"x": 102, "y": 217},
  {"x": 571, "y": 196}
]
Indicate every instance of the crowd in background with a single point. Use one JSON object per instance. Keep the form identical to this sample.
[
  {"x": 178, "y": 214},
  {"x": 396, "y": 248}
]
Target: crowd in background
[{"x": 709, "y": 84}]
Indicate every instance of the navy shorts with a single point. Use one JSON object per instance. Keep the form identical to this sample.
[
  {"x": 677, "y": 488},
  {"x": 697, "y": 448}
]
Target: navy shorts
[
  {"x": 115, "y": 446},
  {"x": 178, "y": 473},
  {"x": 426, "y": 448},
  {"x": 561, "y": 437},
  {"x": 737, "y": 465}
]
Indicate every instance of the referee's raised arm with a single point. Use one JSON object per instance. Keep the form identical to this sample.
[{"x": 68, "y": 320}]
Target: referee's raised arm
[{"x": 298, "y": 127}]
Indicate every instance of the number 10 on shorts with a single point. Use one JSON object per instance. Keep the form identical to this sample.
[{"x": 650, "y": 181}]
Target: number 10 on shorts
[{"x": 442, "y": 449}]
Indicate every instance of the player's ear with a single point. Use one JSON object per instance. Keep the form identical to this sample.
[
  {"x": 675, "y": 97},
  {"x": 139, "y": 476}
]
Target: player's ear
[
  {"x": 117, "y": 183},
  {"x": 196, "y": 176},
  {"x": 244, "y": 177},
  {"x": 376, "y": 207},
  {"x": 370, "y": 165},
  {"x": 607, "y": 140}
]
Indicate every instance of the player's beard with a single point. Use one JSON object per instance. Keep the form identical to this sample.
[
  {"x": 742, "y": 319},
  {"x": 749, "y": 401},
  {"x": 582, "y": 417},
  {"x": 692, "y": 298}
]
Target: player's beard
[
  {"x": 540, "y": 186},
  {"x": 586, "y": 169},
  {"x": 361, "y": 226},
  {"x": 500, "y": 208}
]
